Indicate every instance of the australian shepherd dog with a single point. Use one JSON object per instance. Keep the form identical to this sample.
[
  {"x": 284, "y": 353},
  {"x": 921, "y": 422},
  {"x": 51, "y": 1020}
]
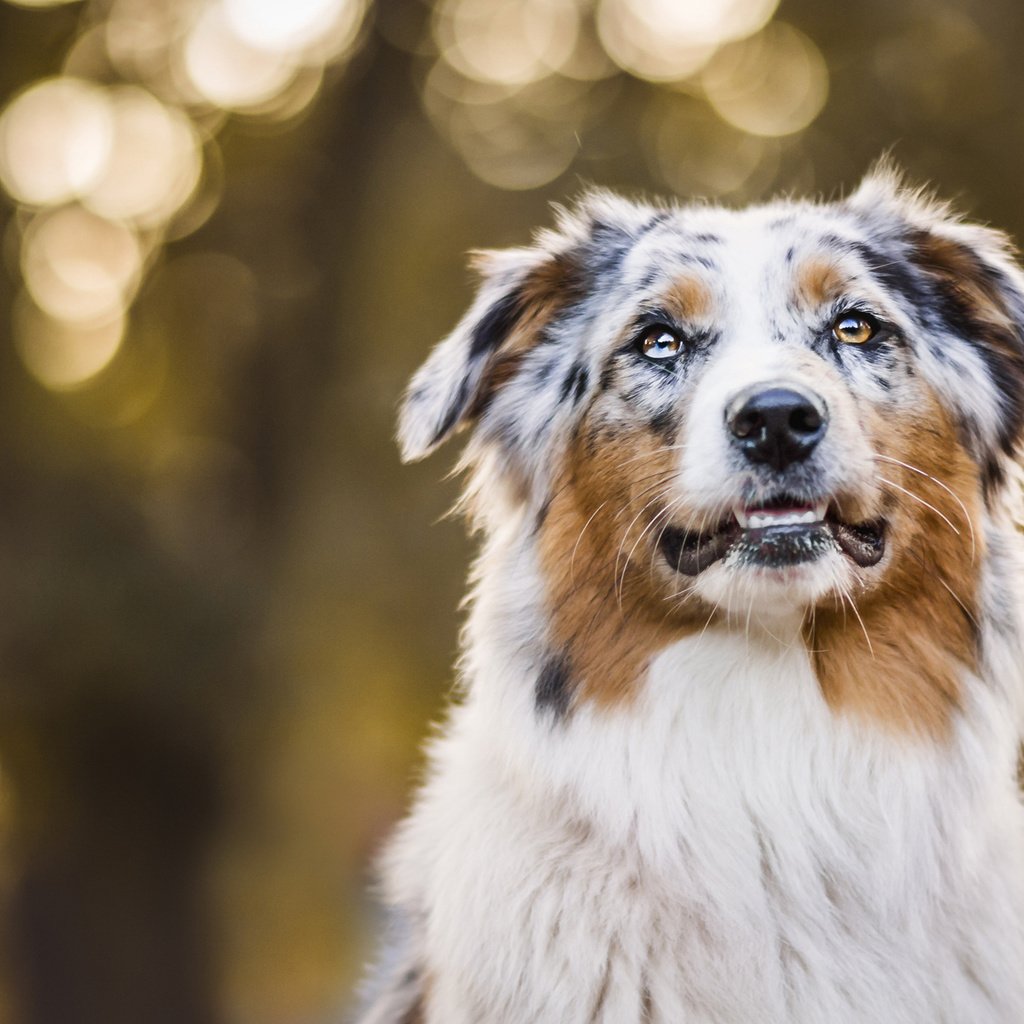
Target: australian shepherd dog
[{"x": 742, "y": 674}]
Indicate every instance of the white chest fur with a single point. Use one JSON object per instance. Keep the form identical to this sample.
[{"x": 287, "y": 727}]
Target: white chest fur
[{"x": 723, "y": 850}]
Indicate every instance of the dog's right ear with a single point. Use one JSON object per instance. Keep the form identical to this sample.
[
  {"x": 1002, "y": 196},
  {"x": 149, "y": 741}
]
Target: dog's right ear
[{"x": 519, "y": 291}]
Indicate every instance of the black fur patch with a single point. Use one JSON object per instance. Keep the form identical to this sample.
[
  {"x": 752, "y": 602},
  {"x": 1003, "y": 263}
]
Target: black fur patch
[
  {"x": 658, "y": 219},
  {"x": 899, "y": 275},
  {"x": 664, "y": 424},
  {"x": 554, "y": 686},
  {"x": 993, "y": 477},
  {"x": 651, "y": 275},
  {"x": 542, "y": 515},
  {"x": 932, "y": 295},
  {"x": 609, "y": 245},
  {"x": 452, "y": 414},
  {"x": 1002, "y": 348},
  {"x": 496, "y": 324},
  {"x": 607, "y": 376},
  {"x": 575, "y": 383},
  {"x": 542, "y": 369},
  {"x": 603, "y": 260},
  {"x": 488, "y": 334},
  {"x": 1002, "y": 352}
]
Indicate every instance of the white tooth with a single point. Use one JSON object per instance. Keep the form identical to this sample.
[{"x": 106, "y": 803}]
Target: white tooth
[
  {"x": 758, "y": 520},
  {"x": 820, "y": 509},
  {"x": 741, "y": 517}
]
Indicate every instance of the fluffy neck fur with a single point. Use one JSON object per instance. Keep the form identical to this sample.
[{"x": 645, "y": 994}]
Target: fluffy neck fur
[{"x": 726, "y": 848}]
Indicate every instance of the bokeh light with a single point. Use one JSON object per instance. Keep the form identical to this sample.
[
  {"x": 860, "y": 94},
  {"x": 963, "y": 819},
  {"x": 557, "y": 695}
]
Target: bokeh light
[
  {"x": 518, "y": 140},
  {"x": 80, "y": 268},
  {"x": 753, "y": 77},
  {"x": 106, "y": 162},
  {"x": 230, "y": 72},
  {"x": 140, "y": 35},
  {"x": 663, "y": 40},
  {"x": 694, "y": 154},
  {"x": 60, "y": 355},
  {"x": 314, "y": 29},
  {"x": 772, "y": 84},
  {"x": 153, "y": 163},
  {"x": 54, "y": 141},
  {"x": 511, "y": 43}
]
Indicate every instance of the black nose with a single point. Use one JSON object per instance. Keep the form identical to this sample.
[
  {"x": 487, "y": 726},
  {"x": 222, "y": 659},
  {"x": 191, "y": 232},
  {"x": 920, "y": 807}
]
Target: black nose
[{"x": 778, "y": 426}]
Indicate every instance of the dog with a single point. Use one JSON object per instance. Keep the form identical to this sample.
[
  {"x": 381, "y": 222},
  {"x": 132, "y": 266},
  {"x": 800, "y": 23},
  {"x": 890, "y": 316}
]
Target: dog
[{"x": 742, "y": 672}]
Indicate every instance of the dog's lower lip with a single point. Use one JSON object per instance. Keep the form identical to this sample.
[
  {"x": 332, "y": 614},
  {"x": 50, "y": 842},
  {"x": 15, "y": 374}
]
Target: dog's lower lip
[
  {"x": 692, "y": 553},
  {"x": 863, "y": 542},
  {"x": 775, "y": 538}
]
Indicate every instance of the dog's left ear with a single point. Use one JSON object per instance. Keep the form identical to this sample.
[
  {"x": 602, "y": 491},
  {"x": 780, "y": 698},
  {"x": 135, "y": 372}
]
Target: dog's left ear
[
  {"x": 519, "y": 291},
  {"x": 522, "y": 291},
  {"x": 968, "y": 279},
  {"x": 517, "y": 287}
]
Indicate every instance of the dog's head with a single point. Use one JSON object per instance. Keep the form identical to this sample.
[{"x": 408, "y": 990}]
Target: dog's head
[{"x": 709, "y": 415}]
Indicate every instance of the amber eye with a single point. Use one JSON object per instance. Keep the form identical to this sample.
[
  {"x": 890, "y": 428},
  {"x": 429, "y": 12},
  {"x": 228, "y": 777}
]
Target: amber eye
[
  {"x": 854, "y": 328},
  {"x": 659, "y": 343}
]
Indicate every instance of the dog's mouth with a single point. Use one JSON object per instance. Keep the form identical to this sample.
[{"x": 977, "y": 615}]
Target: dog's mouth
[{"x": 779, "y": 533}]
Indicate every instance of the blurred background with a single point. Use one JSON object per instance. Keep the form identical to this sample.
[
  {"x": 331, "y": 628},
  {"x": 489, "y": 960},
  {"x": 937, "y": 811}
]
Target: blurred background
[{"x": 230, "y": 231}]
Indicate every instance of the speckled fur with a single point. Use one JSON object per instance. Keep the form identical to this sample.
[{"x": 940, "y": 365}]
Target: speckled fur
[{"x": 722, "y": 843}]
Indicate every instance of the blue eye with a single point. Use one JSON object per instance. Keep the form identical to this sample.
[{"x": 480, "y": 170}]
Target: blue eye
[{"x": 661, "y": 344}]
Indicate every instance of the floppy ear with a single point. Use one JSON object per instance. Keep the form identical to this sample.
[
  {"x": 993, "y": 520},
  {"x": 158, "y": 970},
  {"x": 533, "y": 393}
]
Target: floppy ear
[
  {"x": 964, "y": 279},
  {"x": 521, "y": 291},
  {"x": 451, "y": 387}
]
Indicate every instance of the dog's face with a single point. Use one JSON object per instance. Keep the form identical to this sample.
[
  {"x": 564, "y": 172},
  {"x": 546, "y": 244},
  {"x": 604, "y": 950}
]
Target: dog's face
[{"x": 792, "y": 410}]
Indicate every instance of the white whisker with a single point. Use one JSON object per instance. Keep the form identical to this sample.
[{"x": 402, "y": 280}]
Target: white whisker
[
  {"x": 949, "y": 490},
  {"x": 572, "y": 560},
  {"x": 955, "y": 596},
  {"x": 622, "y": 543},
  {"x": 643, "y": 533},
  {"x": 848, "y": 597},
  {"x": 657, "y": 451},
  {"x": 918, "y": 498},
  {"x": 706, "y": 624}
]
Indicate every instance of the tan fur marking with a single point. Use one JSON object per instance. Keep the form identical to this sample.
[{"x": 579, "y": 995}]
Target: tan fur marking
[
  {"x": 613, "y": 605},
  {"x": 546, "y": 290},
  {"x": 921, "y": 618},
  {"x": 689, "y": 298},
  {"x": 610, "y": 599},
  {"x": 961, "y": 275},
  {"x": 818, "y": 281}
]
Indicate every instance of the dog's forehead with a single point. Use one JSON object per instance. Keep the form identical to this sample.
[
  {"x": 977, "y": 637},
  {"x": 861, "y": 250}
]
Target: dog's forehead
[{"x": 755, "y": 252}]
